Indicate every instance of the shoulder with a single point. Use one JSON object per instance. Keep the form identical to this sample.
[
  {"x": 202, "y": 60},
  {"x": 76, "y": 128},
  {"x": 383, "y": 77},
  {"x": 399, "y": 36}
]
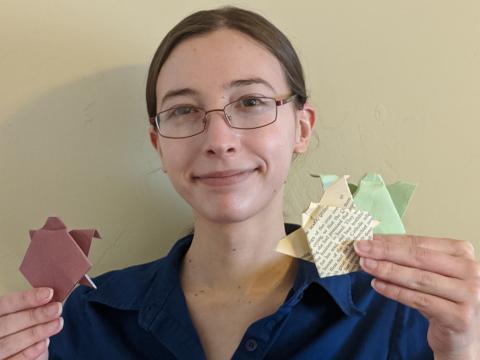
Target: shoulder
[
  {"x": 102, "y": 315},
  {"x": 127, "y": 288},
  {"x": 121, "y": 288}
]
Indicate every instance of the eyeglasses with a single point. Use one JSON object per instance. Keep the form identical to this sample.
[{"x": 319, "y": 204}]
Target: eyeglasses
[{"x": 249, "y": 112}]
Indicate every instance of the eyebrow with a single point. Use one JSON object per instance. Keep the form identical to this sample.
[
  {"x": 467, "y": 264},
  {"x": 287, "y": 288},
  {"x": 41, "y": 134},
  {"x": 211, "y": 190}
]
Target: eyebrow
[
  {"x": 235, "y": 83},
  {"x": 179, "y": 92},
  {"x": 249, "y": 81}
]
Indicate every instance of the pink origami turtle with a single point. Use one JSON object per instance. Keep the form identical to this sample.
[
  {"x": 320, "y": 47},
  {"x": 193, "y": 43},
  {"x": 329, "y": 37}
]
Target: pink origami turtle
[{"x": 57, "y": 258}]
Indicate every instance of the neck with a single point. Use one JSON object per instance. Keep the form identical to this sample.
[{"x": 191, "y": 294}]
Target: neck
[{"x": 238, "y": 256}]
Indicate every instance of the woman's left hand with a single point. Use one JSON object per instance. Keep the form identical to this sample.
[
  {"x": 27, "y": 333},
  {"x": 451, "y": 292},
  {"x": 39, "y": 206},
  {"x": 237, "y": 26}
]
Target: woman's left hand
[{"x": 438, "y": 277}]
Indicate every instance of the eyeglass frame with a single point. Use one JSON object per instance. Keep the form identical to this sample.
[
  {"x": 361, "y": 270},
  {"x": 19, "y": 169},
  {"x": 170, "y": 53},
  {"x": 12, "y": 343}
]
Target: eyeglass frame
[{"x": 154, "y": 121}]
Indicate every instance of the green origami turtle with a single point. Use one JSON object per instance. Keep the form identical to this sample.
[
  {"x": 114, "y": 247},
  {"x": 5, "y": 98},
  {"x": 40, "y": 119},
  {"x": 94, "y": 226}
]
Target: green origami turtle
[{"x": 386, "y": 203}]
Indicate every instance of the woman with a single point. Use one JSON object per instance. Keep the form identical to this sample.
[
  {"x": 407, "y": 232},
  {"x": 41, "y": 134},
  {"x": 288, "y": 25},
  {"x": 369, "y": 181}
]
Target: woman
[{"x": 227, "y": 102}]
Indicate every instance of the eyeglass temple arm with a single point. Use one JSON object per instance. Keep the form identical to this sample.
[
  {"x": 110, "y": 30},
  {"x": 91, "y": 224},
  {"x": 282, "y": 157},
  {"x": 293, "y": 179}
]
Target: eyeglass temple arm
[{"x": 284, "y": 101}]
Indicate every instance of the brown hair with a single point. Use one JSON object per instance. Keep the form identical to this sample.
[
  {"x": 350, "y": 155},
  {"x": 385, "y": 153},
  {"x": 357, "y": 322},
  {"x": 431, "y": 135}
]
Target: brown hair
[{"x": 247, "y": 22}]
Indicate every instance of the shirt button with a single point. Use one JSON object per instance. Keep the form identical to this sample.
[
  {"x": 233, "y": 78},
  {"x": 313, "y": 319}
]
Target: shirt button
[{"x": 251, "y": 345}]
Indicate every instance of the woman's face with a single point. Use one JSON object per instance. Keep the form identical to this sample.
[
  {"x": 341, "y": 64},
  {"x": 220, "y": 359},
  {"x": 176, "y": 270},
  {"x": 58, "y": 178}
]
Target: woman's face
[{"x": 226, "y": 174}]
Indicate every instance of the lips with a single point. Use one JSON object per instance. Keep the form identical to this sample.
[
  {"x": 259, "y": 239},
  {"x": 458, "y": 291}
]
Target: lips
[{"x": 227, "y": 177}]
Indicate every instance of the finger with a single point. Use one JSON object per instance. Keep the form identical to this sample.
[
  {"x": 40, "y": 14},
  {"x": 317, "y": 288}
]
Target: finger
[
  {"x": 459, "y": 248},
  {"x": 22, "y": 300},
  {"x": 418, "y": 257},
  {"x": 12, "y": 344},
  {"x": 447, "y": 313},
  {"x": 12, "y": 323},
  {"x": 32, "y": 352},
  {"x": 424, "y": 281}
]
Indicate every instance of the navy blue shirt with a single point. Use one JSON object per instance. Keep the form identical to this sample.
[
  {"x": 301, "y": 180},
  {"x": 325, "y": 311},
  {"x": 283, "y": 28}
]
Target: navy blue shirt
[{"x": 140, "y": 313}]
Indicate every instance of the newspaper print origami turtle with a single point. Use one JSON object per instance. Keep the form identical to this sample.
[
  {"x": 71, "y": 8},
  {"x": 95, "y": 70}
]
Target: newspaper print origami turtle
[{"x": 345, "y": 213}]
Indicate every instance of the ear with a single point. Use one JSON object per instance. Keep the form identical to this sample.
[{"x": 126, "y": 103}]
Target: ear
[
  {"x": 154, "y": 139},
  {"x": 304, "y": 128}
]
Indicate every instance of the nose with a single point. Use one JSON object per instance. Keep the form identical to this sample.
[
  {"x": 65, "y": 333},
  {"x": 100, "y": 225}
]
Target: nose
[{"x": 220, "y": 138}]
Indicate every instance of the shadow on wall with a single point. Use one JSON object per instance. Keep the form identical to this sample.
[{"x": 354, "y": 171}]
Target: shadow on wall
[{"x": 82, "y": 151}]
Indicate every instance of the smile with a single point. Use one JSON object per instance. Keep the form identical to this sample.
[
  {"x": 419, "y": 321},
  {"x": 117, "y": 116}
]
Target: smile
[{"x": 223, "y": 178}]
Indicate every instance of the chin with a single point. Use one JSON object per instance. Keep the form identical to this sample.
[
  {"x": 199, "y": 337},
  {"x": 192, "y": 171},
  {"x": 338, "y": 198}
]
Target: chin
[
  {"x": 224, "y": 219},
  {"x": 228, "y": 213}
]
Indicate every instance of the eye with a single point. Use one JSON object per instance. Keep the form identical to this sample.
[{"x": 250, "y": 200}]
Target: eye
[
  {"x": 183, "y": 110},
  {"x": 180, "y": 112},
  {"x": 251, "y": 101}
]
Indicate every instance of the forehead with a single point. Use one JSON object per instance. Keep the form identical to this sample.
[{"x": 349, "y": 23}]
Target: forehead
[{"x": 208, "y": 62}]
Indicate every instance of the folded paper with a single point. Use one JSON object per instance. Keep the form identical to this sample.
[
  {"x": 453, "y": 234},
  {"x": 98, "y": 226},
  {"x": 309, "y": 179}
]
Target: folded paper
[
  {"x": 386, "y": 203},
  {"x": 330, "y": 226},
  {"x": 57, "y": 258}
]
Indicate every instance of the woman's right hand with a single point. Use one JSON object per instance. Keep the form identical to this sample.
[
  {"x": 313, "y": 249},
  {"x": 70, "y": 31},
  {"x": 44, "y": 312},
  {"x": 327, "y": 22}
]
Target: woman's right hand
[{"x": 27, "y": 320}]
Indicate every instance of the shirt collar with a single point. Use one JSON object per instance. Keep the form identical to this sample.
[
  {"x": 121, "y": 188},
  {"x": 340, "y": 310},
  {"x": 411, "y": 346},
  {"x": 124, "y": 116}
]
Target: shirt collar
[
  {"x": 339, "y": 287},
  {"x": 147, "y": 287}
]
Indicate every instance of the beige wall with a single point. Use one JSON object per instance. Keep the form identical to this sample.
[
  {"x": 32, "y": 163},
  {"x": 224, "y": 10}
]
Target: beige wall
[{"x": 396, "y": 85}]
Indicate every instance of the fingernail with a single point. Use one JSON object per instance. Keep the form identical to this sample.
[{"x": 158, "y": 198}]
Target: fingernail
[
  {"x": 54, "y": 326},
  {"x": 362, "y": 245},
  {"x": 44, "y": 294},
  {"x": 53, "y": 309},
  {"x": 368, "y": 263},
  {"x": 380, "y": 285}
]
